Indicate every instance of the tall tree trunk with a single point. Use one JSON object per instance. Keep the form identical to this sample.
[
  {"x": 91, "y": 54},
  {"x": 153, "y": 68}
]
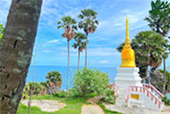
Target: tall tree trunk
[
  {"x": 68, "y": 67},
  {"x": 78, "y": 60},
  {"x": 164, "y": 85},
  {"x": 86, "y": 50},
  {"x": 16, "y": 52}
]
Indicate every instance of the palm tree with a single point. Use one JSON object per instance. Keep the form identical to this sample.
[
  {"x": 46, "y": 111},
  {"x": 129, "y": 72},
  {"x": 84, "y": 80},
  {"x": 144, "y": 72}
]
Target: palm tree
[
  {"x": 68, "y": 24},
  {"x": 159, "y": 21},
  {"x": 16, "y": 51},
  {"x": 89, "y": 24},
  {"x": 54, "y": 82},
  {"x": 149, "y": 49},
  {"x": 80, "y": 45}
]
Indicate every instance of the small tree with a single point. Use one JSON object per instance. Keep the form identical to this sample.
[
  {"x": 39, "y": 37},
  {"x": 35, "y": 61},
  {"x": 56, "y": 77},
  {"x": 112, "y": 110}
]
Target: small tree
[
  {"x": 54, "y": 82},
  {"x": 87, "y": 81},
  {"x": 80, "y": 45}
]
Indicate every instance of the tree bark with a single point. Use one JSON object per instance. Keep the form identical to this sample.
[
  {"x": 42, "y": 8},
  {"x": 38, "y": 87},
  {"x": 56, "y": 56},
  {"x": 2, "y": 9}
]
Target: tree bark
[
  {"x": 68, "y": 67},
  {"x": 86, "y": 50},
  {"x": 164, "y": 84},
  {"x": 78, "y": 60},
  {"x": 16, "y": 51}
]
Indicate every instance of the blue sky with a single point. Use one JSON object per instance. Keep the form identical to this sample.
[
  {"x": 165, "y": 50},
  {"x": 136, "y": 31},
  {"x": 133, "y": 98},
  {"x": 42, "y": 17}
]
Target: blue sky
[{"x": 51, "y": 47}]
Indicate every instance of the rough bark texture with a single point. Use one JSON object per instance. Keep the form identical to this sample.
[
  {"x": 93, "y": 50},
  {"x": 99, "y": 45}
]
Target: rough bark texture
[{"x": 16, "y": 51}]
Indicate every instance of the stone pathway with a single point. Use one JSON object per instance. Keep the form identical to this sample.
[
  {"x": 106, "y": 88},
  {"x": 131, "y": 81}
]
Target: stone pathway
[
  {"x": 45, "y": 105},
  {"x": 136, "y": 110},
  {"x": 91, "y": 109}
]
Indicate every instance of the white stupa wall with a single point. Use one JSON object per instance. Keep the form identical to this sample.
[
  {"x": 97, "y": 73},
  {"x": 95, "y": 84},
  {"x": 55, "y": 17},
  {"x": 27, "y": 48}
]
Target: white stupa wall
[{"x": 126, "y": 76}]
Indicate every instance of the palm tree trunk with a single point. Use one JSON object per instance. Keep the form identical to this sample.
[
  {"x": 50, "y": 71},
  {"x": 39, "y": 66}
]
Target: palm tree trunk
[
  {"x": 78, "y": 60},
  {"x": 68, "y": 66},
  {"x": 16, "y": 52},
  {"x": 164, "y": 85},
  {"x": 86, "y": 50}
]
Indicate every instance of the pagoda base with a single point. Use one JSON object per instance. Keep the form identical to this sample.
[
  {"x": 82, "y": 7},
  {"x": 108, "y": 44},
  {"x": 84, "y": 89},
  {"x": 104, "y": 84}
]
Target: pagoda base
[{"x": 126, "y": 76}]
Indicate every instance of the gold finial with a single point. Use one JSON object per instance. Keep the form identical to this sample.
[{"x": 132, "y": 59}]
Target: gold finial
[
  {"x": 128, "y": 55},
  {"x": 127, "y": 31}
]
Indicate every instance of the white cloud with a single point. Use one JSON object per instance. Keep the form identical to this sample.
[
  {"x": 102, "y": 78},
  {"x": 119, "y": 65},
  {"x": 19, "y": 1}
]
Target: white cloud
[
  {"x": 54, "y": 41},
  {"x": 104, "y": 62}
]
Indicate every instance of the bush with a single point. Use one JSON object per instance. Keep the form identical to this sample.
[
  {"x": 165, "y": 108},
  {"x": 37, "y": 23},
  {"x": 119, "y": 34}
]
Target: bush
[
  {"x": 88, "y": 81},
  {"x": 166, "y": 100},
  {"x": 61, "y": 94},
  {"x": 109, "y": 96}
]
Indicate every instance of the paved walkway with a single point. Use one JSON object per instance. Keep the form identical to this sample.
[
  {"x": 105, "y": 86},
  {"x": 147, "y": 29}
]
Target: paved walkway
[
  {"x": 136, "y": 110},
  {"x": 45, "y": 105},
  {"x": 91, "y": 109}
]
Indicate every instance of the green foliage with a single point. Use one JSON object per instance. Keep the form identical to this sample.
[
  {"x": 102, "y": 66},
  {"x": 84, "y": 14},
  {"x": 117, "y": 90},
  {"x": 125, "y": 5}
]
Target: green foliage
[
  {"x": 109, "y": 96},
  {"x": 87, "y": 81},
  {"x": 79, "y": 41},
  {"x": 88, "y": 21},
  {"x": 61, "y": 94},
  {"x": 159, "y": 18},
  {"x": 67, "y": 21},
  {"x": 2, "y": 29},
  {"x": 166, "y": 100},
  {"x": 33, "y": 87},
  {"x": 54, "y": 77},
  {"x": 43, "y": 84}
]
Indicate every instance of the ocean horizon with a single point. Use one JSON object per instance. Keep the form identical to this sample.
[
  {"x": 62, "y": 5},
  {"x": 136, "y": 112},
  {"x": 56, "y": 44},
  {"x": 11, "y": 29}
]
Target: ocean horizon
[
  {"x": 41, "y": 73},
  {"x": 42, "y": 70}
]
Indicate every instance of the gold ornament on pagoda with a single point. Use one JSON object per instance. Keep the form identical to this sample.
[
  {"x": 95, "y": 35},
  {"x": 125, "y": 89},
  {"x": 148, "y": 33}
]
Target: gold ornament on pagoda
[{"x": 128, "y": 54}]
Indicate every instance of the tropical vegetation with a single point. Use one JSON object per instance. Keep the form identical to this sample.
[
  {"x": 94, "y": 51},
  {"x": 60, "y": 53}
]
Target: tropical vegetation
[
  {"x": 159, "y": 21},
  {"x": 80, "y": 45},
  {"x": 68, "y": 24},
  {"x": 89, "y": 24}
]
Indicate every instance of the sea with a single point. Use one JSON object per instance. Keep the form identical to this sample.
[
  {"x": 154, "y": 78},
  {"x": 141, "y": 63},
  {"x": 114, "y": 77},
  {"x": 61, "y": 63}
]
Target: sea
[{"x": 40, "y": 72}]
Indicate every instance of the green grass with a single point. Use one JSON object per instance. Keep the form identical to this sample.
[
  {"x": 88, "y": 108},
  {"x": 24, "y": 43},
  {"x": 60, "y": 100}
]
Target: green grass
[
  {"x": 106, "y": 110},
  {"x": 74, "y": 105}
]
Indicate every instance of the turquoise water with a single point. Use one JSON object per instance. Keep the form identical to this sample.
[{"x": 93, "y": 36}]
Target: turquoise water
[{"x": 41, "y": 73}]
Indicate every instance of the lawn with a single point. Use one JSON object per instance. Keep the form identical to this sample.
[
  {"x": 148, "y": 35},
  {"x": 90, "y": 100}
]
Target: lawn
[{"x": 74, "y": 106}]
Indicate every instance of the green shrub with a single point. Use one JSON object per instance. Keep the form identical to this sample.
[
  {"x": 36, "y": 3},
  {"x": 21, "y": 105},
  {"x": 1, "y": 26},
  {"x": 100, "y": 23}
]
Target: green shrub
[
  {"x": 166, "y": 100},
  {"x": 88, "y": 81},
  {"x": 109, "y": 96},
  {"x": 61, "y": 94}
]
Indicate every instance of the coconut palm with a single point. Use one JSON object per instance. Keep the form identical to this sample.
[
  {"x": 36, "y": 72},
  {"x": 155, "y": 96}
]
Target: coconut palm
[
  {"x": 16, "y": 51},
  {"x": 159, "y": 21},
  {"x": 89, "y": 24},
  {"x": 54, "y": 82},
  {"x": 80, "y": 45},
  {"x": 68, "y": 24}
]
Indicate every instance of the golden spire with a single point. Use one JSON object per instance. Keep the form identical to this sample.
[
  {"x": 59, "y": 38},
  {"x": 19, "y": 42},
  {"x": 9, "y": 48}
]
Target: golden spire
[{"x": 128, "y": 55}]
